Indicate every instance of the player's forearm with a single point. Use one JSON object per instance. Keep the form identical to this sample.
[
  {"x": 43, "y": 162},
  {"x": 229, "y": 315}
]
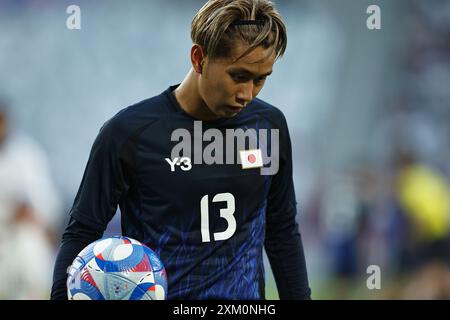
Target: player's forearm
[
  {"x": 288, "y": 265},
  {"x": 67, "y": 253},
  {"x": 75, "y": 238}
]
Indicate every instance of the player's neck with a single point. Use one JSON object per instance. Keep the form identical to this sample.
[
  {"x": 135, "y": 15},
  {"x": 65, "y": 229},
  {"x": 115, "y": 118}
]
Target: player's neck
[{"x": 190, "y": 100}]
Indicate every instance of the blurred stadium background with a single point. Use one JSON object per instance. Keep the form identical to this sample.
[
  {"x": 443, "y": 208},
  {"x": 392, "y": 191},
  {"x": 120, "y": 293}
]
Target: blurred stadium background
[{"x": 368, "y": 110}]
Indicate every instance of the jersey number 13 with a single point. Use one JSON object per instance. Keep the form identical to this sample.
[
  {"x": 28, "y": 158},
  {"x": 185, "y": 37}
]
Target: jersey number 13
[{"x": 226, "y": 213}]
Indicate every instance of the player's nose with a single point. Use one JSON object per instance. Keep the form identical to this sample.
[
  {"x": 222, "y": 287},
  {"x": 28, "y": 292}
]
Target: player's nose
[{"x": 245, "y": 94}]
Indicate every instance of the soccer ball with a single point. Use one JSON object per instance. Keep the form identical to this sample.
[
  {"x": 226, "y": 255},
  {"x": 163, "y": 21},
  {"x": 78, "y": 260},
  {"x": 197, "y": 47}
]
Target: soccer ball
[{"x": 117, "y": 268}]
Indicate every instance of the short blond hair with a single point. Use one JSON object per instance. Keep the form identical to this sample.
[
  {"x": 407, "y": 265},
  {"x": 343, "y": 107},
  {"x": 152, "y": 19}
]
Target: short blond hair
[{"x": 220, "y": 23}]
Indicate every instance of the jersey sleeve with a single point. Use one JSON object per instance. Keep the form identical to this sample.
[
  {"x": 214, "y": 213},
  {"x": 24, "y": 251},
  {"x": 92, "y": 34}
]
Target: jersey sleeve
[
  {"x": 75, "y": 238},
  {"x": 283, "y": 242},
  {"x": 105, "y": 179}
]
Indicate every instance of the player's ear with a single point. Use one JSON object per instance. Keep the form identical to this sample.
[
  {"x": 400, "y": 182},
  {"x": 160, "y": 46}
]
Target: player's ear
[{"x": 197, "y": 58}]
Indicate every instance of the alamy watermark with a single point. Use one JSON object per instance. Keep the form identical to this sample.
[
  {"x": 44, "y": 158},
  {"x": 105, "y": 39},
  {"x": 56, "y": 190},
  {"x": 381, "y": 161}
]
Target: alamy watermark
[
  {"x": 73, "y": 21},
  {"x": 373, "y": 22},
  {"x": 374, "y": 280},
  {"x": 253, "y": 146}
]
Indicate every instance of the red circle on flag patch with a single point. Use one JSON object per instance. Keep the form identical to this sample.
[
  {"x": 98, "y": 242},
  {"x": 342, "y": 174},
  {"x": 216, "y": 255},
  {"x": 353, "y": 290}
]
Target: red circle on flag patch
[{"x": 251, "y": 158}]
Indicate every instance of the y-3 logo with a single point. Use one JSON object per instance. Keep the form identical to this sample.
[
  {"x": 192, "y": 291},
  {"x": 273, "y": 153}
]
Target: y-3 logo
[{"x": 184, "y": 163}]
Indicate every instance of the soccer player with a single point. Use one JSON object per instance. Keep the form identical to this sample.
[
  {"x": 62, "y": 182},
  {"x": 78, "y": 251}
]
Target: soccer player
[{"x": 209, "y": 222}]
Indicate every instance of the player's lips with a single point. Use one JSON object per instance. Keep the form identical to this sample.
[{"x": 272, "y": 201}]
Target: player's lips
[{"x": 235, "y": 109}]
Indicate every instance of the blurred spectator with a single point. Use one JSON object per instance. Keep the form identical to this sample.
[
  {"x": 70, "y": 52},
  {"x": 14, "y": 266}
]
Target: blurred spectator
[
  {"x": 29, "y": 216},
  {"x": 343, "y": 204},
  {"x": 424, "y": 197}
]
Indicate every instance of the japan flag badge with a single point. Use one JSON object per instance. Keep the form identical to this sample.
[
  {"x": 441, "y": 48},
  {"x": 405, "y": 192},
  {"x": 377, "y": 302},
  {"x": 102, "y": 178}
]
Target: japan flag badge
[{"x": 251, "y": 159}]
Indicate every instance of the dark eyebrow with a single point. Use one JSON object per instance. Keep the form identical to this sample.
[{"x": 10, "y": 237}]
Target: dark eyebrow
[{"x": 247, "y": 72}]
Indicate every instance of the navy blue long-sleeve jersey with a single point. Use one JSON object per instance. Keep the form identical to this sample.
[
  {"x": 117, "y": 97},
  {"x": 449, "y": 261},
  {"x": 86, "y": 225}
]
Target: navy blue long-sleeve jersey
[{"x": 208, "y": 222}]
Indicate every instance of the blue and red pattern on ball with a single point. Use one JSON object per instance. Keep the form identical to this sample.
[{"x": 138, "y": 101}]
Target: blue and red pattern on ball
[
  {"x": 91, "y": 291},
  {"x": 87, "y": 286},
  {"x": 140, "y": 290},
  {"x": 126, "y": 264},
  {"x": 155, "y": 261},
  {"x": 138, "y": 258}
]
